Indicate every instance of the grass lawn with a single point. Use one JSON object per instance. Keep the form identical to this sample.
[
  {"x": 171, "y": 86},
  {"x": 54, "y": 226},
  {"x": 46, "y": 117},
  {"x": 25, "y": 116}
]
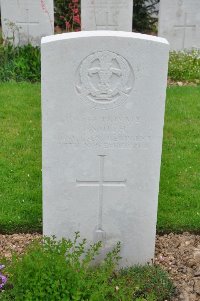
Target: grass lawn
[
  {"x": 20, "y": 160},
  {"x": 179, "y": 198},
  {"x": 20, "y": 157}
]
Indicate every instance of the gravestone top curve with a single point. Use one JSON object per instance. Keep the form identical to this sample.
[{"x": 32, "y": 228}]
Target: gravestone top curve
[{"x": 102, "y": 33}]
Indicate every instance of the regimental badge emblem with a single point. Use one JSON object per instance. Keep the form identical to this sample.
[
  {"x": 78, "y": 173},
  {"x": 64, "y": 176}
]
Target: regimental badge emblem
[{"x": 104, "y": 80}]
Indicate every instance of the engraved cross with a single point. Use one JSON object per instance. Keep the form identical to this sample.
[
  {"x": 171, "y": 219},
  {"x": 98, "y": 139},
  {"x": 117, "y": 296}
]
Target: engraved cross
[
  {"x": 101, "y": 183},
  {"x": 184, "y": 27},
  {"x": 27, "y": 23},
  {"x": 107, "y": 24}
]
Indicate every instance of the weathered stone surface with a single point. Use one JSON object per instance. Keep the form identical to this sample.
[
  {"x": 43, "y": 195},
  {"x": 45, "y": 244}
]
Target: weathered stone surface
[
  {"x": 107, "y": 15},
  {"x": 27, "y": 21},
  {"x": 179, "y": 23},
  {"x": 103, "y": 96}
]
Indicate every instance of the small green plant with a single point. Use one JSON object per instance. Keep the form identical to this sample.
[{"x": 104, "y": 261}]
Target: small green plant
[
  {"x": 149, "y": 280},
  {"x": 64, "y": 270},
  {"x": 19, "y": 63},
  {"x": 184, "y": 65}
]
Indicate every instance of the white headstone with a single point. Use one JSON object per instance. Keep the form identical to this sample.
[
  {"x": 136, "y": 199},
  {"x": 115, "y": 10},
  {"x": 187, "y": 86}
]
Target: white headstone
[
  {"x": 103, "y": 100},
  {"x": 107, "y": 15},
  {"x": 27, "y": 21},
  {"x": 179, "y": 23}
]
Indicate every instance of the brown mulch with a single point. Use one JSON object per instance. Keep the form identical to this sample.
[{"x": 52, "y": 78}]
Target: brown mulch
[{"x": 178, "y": 254}]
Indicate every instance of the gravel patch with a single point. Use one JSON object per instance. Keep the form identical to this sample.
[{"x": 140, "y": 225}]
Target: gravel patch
[
  {"x": 15, "y": 243},
  {"x": 178, "y": 254},
  {"x": 193, "y": 83}
]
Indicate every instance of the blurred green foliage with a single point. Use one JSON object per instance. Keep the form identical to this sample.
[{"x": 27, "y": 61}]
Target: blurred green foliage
[
  {"x": 184, "y": 65},
  {"x": 19, "y": 63}
]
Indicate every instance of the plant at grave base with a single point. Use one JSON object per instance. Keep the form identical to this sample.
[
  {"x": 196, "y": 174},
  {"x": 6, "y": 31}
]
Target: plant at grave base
[
  {"x": 19, "y": 63},
  {"x": 184, "y": 65},
  {"x": 150, "y": 281},
  {"x": 67, "y": 15},
  {"x": 3, "y": 278},
  {"x": 63, "y": 271}
]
